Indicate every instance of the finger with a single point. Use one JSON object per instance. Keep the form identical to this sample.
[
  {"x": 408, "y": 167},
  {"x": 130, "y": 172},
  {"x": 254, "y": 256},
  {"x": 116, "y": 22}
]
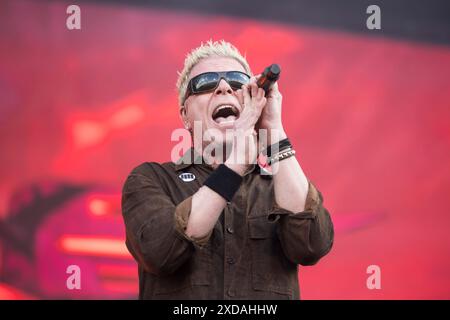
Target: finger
[
  {"x": 274, "y": 86},
  {"x": 240, "y": 97},
  {"x": 261, "y": 105},
  {"x": 263, "y": 102},
  {"x": 273, "y": 90},
  {"x": 260, "y": 93},
  {"x": 253, "y": 80},
  {"x": 254, "y": 89},
  {"x": 247, "y": 98}
]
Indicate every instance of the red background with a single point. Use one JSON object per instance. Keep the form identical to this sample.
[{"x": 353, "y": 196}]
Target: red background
[{"x": 369, "y": 118}]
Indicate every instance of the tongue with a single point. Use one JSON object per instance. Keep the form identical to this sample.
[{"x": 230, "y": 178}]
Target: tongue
[{"x": 223, "y": 119}]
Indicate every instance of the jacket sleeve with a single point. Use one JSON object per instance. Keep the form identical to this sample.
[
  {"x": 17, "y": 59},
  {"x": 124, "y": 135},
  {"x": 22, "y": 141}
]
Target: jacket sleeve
[
  {"x": 154, "y": 224},
  {"x": 305, "y": 236}
]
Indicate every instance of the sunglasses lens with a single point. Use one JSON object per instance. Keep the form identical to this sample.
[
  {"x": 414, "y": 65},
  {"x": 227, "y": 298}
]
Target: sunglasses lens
[
  {"x": 205, "y": 82},
  {"x": 237, "y": 79},
  {"x": 208, "y": 81}
]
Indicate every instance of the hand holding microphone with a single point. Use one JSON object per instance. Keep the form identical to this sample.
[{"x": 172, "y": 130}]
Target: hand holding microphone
[
  {"x": 250, "y": 97},
  {"x": 268, "y": 77}
]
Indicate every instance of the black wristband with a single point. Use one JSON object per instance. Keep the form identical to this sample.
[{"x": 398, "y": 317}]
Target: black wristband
[
  {"x": 224, "y": 181},
  {"x": 282, "y": 145}
]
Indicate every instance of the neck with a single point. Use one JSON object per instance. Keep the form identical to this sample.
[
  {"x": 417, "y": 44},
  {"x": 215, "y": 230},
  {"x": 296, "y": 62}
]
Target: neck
[{"x": 214, "y": 155}]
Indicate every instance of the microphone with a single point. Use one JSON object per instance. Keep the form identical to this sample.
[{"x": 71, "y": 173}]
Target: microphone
[{"x": 268, "y": 77}]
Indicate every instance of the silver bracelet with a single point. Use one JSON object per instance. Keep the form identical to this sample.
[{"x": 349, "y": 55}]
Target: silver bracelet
[{"x": 281, "y": 156}]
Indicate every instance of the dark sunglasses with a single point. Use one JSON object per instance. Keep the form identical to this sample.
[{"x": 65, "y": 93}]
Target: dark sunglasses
[{"x": 209, "y": 81}]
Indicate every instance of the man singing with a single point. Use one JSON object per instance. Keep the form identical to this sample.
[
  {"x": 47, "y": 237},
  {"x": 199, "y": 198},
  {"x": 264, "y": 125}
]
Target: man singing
[{"x": 211, "y": 225}]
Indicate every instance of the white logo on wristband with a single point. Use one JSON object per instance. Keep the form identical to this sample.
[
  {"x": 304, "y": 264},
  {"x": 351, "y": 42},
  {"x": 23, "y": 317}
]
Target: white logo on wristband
[{"x": 187, "y": 177}]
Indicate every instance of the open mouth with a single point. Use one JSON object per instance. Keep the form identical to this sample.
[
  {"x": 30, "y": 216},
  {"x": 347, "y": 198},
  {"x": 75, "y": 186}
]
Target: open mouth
[{"x": 225, "y": 113}]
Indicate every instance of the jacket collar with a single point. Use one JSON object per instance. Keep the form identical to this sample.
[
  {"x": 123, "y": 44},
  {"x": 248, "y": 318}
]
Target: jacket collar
[
  {"x": 192, "y": 157},
  {"x": 189, "y": 158}
]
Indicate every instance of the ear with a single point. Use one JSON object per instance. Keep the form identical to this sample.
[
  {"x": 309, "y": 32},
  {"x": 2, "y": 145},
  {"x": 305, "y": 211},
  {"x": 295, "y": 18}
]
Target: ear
[{"x": 184, "y": 117}]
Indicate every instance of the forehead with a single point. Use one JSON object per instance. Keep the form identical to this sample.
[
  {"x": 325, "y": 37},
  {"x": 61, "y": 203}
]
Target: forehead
[{"x": 216, "y": 64}]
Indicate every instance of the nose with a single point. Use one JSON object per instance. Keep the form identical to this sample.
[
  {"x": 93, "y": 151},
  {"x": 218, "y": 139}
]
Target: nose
[{"x": 223, "y": 88}]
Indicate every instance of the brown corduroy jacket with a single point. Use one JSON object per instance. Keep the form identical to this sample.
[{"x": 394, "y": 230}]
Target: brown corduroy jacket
[{"x": 252, "y": 253}]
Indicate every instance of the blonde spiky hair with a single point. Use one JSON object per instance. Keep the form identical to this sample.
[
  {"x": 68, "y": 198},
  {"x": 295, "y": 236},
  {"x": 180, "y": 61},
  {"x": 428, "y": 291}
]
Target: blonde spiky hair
[{"x": 217, "y": 48}]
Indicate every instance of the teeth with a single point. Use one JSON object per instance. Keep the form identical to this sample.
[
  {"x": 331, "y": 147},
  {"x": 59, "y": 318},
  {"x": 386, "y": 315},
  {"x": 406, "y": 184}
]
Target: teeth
[{"x": 225, "y": 106}]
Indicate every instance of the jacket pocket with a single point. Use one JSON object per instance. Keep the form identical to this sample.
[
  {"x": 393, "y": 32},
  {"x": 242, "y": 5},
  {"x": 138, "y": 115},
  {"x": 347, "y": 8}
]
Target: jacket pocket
[
  {"x": 202, "y": 266},
  {"x": 271, "y": 271},
  {"x": 196, "y": 272}
]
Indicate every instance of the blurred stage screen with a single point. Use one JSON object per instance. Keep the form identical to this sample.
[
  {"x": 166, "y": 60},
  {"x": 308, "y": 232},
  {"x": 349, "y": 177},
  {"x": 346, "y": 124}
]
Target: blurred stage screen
[{"x": 368, "y": 112}]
